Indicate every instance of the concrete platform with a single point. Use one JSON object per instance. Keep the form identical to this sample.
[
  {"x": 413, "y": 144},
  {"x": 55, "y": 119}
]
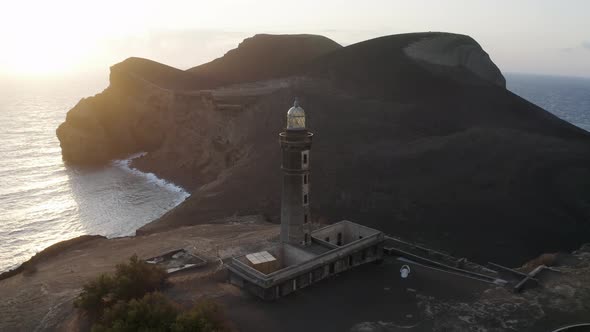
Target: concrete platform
[
  {"x": 376, "y": 299},
  {"x": 334, "y": 249}
]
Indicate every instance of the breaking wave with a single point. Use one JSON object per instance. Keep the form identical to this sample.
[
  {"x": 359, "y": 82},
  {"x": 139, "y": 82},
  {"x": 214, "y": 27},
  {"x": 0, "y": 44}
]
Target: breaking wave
[{"x": 125, "y": 164}]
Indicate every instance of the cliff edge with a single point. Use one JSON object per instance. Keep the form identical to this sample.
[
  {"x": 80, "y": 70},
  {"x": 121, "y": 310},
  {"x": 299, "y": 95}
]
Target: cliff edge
[
  {"x": 265, "y": 56},
  {"x": 450, "y": 50},
  {"x": 415, "y": 135}
]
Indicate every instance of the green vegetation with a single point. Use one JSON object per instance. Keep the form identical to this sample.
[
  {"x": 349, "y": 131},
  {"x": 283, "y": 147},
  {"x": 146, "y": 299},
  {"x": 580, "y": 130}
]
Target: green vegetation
[
  {"x": 153, "y": 312},
  {"x": 206, "y": 316},
  {"x": 129, "y": 301},
  {"x": 130, "y": 281}
]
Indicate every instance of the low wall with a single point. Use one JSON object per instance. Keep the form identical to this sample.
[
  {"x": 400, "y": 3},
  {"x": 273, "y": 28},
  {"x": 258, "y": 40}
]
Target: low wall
[{"x": 301, "y": 278}]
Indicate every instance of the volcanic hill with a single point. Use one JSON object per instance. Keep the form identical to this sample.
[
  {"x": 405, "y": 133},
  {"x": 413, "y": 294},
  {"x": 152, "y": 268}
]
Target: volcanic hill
[{"x": 415, "y": 134}]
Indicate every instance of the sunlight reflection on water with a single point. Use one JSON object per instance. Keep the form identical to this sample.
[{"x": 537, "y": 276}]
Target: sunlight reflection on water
[{"x": 42, "y": 201}]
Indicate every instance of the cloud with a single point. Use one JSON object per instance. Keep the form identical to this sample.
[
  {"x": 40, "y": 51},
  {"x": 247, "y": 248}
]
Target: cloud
[{"x": 586, "y": 45}]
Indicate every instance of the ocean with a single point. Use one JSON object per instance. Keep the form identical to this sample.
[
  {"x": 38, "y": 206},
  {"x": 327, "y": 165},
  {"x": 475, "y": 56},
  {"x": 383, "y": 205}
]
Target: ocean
[
  {"x": 566, "y": 97},
  {"x": 43, "y": 201}
]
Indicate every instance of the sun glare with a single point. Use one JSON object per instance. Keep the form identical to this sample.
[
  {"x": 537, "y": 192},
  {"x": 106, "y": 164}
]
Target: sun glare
[{"x": 53, "y": 37}]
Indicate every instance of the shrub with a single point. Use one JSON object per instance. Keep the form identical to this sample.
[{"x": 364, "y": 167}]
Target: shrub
[
  {"x": 128, "y": 301},
  {"x": 131, "y": 280},
  {"x": 204, "y": 317},
  {"x": 153, "y": 312},
  {"x": 94, "y": 296},
  {"x": 134, "y": 279}
]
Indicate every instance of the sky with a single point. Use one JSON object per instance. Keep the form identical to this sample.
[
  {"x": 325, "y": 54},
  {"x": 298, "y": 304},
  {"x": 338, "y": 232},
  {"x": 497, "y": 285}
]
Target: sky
[{"x": 64, "y": 38}]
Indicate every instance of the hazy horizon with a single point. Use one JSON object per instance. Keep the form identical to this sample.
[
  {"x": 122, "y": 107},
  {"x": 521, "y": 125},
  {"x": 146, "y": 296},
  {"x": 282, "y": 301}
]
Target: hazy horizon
[{"x": 67, "y": 38}]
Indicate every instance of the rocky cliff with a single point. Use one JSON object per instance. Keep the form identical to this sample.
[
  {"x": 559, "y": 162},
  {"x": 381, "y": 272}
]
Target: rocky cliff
[
  {"x": 265, "y": 57},
  {"x": 456, "y": 51},
  {"x": 415, "y": 135}
]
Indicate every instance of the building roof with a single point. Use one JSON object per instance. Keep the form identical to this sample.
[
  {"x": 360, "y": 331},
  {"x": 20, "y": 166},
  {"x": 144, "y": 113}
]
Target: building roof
[{"x": 260, "y": 257}]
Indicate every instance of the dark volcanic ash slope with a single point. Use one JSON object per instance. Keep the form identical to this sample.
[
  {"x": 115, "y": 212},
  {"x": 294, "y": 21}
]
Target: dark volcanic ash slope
[
  {"x": 414, "y": 134},
  {"x": 265, "y": 57}
]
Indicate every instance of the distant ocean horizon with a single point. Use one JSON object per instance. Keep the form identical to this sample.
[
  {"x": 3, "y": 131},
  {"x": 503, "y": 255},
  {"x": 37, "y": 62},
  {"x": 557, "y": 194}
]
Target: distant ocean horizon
[
  {"x": 43, "y": 201},
  {"x": 566, "y": 97}
]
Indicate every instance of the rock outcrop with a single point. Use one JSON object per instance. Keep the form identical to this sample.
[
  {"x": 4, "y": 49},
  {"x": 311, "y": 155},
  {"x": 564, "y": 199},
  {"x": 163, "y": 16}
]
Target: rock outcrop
[
  {"x": 452, "y": 50},
  {"x": 265, "y": 56},
  {"x": 431, "y": 147},
  {"x": 562, "y": 297},
  {"x": 129, "y": 116}
]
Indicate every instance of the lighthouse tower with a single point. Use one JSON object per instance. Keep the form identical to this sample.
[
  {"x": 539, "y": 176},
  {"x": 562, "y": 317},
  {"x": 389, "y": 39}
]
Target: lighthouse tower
[{"x": 296, "y": 143}]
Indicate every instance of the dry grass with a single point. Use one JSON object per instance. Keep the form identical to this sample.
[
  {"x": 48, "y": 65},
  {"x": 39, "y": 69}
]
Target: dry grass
[{"x": 547, "y": 259}]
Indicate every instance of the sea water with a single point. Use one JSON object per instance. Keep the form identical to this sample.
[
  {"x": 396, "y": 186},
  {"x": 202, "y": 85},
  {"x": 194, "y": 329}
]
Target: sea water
[
  {"x": 42, "y": 200},
  {"x": 566, "y": 97}
]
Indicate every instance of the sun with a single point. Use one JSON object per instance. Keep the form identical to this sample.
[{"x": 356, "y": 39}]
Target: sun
[
  {"x": 40, "y": 42},
  {"x": 54, "y": 37}
]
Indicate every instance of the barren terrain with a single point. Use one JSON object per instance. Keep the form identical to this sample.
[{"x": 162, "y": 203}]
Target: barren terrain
[
  {"x": 429, "y": 300},
  {"x": 42, "y": 299}
]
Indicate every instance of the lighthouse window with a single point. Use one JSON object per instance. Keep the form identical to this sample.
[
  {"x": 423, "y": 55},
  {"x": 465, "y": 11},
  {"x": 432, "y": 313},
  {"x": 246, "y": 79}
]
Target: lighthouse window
[
  {"x": 304, "y": 178},
  {"x": 305, "y": 199},
  {"x": 305, "y": 158},
  {"x": 305, "y": 218}
]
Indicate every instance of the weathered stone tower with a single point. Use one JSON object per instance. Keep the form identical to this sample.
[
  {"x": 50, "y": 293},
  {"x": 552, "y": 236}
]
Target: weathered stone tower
[{"x": 296, "y": 144}]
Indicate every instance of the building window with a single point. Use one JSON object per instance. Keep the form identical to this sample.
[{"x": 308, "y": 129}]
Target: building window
[
  {"x": 350, "y": 260},
  {"x": 306, "y": 238},
  {"x": 339, "y": 241},
  {"x": 327, "y": 239},
  {"x": 305, "y": 199},
  {"x": 304, "y": 178},
  {"x": 360, "y": 237},
  {"x": 305, "y": 218},
  {"x": 305, "y": 159}
]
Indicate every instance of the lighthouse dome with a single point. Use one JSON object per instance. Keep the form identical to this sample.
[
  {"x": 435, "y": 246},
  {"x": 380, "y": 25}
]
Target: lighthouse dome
[{"x": 296, "y": 117}]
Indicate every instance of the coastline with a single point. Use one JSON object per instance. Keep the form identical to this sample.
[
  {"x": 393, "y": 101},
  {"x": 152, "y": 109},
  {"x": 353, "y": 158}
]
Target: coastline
[
  {"x": 125, "y": 164},
  {"x": 60, "y": 246},
  {"x": 49, "y": 252},
  {"x": 43, "y": 299}
]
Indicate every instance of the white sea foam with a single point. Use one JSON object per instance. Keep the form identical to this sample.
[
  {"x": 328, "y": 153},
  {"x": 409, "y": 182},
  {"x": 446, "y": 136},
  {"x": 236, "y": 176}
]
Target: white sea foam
[
  {"x": 125, "y": 164},
  {"x": 43, "y": 201}
]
